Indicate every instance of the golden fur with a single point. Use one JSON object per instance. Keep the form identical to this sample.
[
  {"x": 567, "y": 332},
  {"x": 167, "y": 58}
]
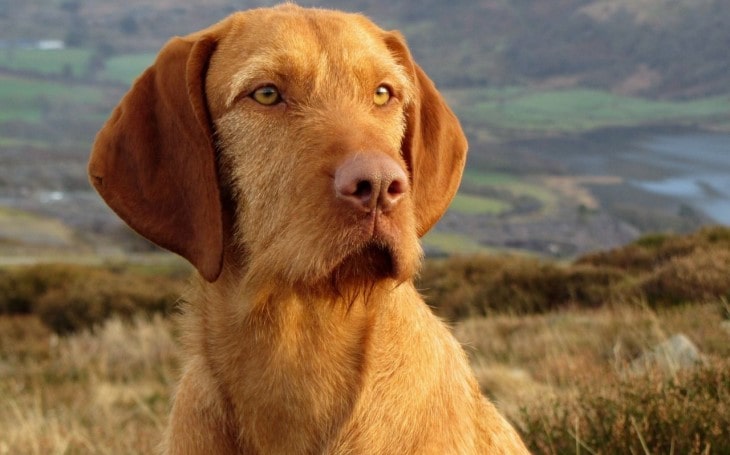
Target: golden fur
[{"x": 305, "y": 334}]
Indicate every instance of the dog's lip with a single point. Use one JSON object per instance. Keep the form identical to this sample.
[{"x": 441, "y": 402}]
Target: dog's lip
[{"x": 375, "y": 225}]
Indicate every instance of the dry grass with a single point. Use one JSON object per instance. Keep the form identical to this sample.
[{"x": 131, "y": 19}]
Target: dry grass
[
  {"x": 554, "y": 371},
  {"x": 558, "y": 367},
  {"x": 101, "y": 392},
  {"x": 107, "y": 391}
]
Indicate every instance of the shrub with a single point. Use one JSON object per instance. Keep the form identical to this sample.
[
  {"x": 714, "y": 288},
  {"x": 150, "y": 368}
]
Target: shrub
[
  {"x": 689, "y": 414},
  {"x": 651, "y": 251},
  {"x": 21, "y": 287},
  {"x": 462, "y": 287},
  {"x": 69, "y": 297},
  {"x": 660, "y": 269},
  {"x": 700, "y": 276}
]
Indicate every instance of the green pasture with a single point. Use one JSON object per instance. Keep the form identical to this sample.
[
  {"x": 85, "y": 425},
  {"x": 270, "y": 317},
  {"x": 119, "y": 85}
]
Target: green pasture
[
  {"x": 452, "y": 243},
  {"x": 75, "y": 63},
  {"x": 22, "y": 142},
  {"x": 125, "y": 68},
  {"x": 578, "y": 110},
  {"x": 486, "y": 178},
  {"x": 67, "y": 62},
  {"x": 514, "y": 184},
  {"x": 27, "y": 99},
  {"x": 469, "y": 204}
]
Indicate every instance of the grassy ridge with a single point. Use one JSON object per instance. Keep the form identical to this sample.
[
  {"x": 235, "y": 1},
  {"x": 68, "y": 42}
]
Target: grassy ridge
[
  {"x": 661, "y": 270},
  {"x": 578, "y": 110}
]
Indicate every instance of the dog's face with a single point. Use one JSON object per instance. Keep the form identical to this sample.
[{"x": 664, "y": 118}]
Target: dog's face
[
  {"x": 295, "y": 98},
  {"x": 330, "y": 147}
]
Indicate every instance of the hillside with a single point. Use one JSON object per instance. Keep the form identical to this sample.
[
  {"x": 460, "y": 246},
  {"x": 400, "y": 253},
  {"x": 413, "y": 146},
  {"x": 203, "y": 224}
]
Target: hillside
[
  {"x": 656, "y": 48},
  {"x": 558, "y": 98},
  {"x": 572, "y": 353}
]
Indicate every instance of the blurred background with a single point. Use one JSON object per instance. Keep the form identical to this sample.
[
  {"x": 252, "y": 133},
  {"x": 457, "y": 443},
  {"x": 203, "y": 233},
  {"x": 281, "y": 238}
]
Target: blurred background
[
  {"x": 584, "y": 264},
  {"x": 590, "y": 122}
]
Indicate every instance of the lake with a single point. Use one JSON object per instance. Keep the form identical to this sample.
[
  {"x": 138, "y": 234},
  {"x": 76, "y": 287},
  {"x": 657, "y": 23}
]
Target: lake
[
  {"x": 665, "y": 171},
  {"x": 697, "y": 167}
]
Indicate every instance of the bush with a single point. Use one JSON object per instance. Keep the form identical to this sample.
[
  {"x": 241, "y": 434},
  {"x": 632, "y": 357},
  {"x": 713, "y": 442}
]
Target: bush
[
  {"x": 686, "y": 414},
  {"x": 651, "y": 251},
  {"x": 660, "y": 269},
  {"x": 461, "y": 287},
  {"x": 68, "y": 297},
  {"x": 700, "y": 276},
  {"x": 21, "y": 288}
]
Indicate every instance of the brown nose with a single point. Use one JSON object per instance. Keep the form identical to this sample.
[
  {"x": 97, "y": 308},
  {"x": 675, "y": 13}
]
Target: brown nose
[{"x": 370, "y": 180}]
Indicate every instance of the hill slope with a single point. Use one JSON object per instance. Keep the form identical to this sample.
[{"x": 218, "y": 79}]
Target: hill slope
[{"x": 657, "y": 48}]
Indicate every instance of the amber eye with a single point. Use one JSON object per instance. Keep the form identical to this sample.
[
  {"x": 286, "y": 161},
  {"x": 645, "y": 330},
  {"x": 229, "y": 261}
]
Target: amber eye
[
  {"x": 382, "y": 95},
  {"x": 267, "y": 95}
]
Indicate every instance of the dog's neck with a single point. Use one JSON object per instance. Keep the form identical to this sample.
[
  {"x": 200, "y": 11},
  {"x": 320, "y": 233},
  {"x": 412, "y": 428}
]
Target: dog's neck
[{"x": 291, "y": 359}]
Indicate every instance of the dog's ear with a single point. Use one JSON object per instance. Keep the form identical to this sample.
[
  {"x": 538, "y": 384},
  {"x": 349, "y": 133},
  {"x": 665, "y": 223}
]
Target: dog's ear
[
  {"x": 434, "y": 145},
  {"x": 153, "y": 162}
]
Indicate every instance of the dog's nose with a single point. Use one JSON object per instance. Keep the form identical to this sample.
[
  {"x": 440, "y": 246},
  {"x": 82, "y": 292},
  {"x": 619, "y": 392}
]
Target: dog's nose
[{"x": 370, "y": 180}]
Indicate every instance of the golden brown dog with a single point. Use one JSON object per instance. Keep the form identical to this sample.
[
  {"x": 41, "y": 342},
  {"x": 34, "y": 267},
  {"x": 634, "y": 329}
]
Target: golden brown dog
[{"x": 294, "y": 157}]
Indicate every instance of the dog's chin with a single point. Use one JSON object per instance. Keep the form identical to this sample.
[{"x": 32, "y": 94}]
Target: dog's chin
[{"x": 372, "y": 262}]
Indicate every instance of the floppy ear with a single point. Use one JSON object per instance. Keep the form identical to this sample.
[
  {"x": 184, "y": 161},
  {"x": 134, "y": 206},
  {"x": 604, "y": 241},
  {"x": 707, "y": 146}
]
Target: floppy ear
[
  {"x": 153, "y": 162},
  {"x": 434, "y": 145}
]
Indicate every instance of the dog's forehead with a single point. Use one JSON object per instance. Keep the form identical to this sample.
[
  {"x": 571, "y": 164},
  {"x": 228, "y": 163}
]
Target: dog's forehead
[
  {"x": 297, "y": 42},
  {"x": 305, "y": 30}
]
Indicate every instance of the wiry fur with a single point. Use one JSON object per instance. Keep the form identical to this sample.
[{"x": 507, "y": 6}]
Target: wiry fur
[{"x": 305, "y": 334}]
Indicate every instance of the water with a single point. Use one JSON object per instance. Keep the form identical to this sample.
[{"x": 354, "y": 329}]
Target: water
[{"x": 697, "y": 167}]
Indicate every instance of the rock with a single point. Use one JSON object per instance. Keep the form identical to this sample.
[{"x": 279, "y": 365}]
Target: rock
[
  {"x": 676, "y": 353},
  {"x": 725, "y": 326}
]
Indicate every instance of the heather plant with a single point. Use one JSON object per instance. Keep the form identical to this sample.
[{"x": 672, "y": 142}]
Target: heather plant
[
  {"x": 462, "y": 287},
  {"x": 658, "y": 269},
  {"x": 688, "y": 413},
  {"x": 701, "y": 275},
  {"x": 71, "y": 297}
]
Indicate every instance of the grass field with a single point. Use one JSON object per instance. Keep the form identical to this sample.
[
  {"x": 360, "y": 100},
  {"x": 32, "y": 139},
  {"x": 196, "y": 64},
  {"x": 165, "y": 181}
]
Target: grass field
[
  {"x": 512, "y": 186},
  {"x": 125, "y": 68},
  {"x": 74, "y": 63},
  {"x": 578, "y": 110},
  {"x": 66, "y": 62},
  {"x": 452, "y": 243},
  {"x": 27, "y": 99}
]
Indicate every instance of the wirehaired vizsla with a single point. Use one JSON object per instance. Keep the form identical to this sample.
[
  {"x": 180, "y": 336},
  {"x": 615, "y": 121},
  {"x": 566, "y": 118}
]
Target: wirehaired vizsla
[{"x": 294, "y": 157}]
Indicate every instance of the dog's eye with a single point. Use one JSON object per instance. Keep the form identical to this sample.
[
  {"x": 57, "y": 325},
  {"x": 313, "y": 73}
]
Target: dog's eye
[
  {"x": 382, "y": 95},
  {"x": 267, "y": 95}
]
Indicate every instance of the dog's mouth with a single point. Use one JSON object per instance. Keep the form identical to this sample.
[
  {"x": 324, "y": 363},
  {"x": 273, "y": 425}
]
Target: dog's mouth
[{"x": 373, "y": 261}]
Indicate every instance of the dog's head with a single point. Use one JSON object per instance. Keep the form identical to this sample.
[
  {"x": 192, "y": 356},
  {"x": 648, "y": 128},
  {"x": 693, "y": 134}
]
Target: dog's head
[{"x": 312, "y": 131}]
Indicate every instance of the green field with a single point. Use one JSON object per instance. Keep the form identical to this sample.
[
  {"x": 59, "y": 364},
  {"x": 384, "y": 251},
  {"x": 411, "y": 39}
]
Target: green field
[
  {"x": 452, "y": 243},
  {"x": 75, "y": 63},
  {"x": 513, "y": 184},
  {"x": 26, "y": 99},
  {"x": 578, "y": 110},
  {"x": 67, "y": 62},
  {"x": 469, "y": 204},
  {"x": 125, "y": 68}
]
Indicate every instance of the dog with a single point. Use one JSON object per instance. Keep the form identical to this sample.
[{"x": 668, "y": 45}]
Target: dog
[{"x": 295, "y": 157}]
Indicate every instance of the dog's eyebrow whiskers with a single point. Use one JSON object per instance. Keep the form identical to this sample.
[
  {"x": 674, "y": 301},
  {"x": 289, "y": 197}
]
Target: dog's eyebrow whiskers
[{"x": 257, "y": 70}]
